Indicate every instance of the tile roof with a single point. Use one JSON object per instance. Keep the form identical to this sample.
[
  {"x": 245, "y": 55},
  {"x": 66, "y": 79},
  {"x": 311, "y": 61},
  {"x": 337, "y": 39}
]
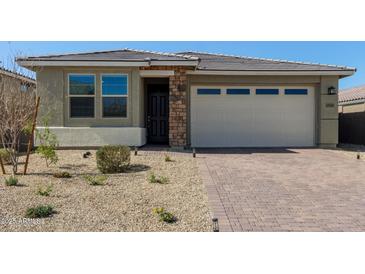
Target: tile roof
[
  {"x": 16, "y": 75},
  {"x": 114, "y": 55},
  {"x": 351, "y": 95},
  {"x": 206, "y": 61},
  {"x": 212, "y": 61}
]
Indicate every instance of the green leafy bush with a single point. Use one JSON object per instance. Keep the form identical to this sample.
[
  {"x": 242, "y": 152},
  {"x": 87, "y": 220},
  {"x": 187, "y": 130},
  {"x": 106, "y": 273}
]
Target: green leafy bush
[
  {"x": 63, "y": 174},
  {"x": 11, "y": 181},
  {"x": 153, "y": 179},
  {"x": 41, "y": 211},
  {"x": 48, "y": 153},
  {"x": 27, "y": 129},
  {"x": 96, "y": 180},
  {"x": 164, "y": 216},
  {"x": 5, "y": 156},
  {"x": 44, "y": 190},
  {"x": 113, "y": 159},
  {"x": 47, "y": 144}
]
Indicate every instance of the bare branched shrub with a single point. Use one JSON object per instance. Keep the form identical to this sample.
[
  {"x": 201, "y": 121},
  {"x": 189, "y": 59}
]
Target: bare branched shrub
[{"x": 16, "y": 112}]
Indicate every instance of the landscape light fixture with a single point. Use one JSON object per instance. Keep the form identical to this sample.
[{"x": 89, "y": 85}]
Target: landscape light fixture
[{"x": 215, "y": 225}]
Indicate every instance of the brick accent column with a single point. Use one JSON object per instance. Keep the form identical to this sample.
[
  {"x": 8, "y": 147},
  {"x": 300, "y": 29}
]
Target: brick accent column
[
  {"x": 177, "y": 104},
  {"x": 178, "y": 108}
]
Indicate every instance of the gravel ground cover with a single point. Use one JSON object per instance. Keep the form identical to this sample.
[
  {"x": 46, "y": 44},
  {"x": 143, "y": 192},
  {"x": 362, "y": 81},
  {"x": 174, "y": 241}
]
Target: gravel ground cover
[{"x": 124, "y": 203}]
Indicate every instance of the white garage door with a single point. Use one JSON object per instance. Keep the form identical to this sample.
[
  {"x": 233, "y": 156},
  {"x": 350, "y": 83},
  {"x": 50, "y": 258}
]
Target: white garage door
[{"x": 252, "y": 116}]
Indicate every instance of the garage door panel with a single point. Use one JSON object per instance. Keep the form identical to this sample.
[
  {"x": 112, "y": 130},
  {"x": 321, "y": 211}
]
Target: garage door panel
[{"x": 252, "y": 120}]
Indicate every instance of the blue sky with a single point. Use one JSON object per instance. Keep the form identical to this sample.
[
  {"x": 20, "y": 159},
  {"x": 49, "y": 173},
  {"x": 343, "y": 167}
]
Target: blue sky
[{"x": 336, "y": 53}]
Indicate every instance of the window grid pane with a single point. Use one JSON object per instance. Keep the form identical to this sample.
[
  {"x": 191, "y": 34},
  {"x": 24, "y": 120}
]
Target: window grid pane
[
  {"x": 267, "y": 91},
  {"x": 237, "y": 91},
  {"x": 114, "y": 85},
  {"x": 82, "y": 84},
  {"x": 82, "y": 107},
  {"x": 296, "y": 91},
  {"x": 209, "y": 91},
  {"x": 114, "y": 107}
]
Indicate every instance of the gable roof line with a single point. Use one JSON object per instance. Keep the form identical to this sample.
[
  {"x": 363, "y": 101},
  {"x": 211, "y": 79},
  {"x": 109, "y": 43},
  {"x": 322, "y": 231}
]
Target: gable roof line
[
  {"x": 185, "y": 56},
  {"x": 272, "y": 60},
  {"x": 67, "y": 53},
  {"x": 166, "y": 54}
]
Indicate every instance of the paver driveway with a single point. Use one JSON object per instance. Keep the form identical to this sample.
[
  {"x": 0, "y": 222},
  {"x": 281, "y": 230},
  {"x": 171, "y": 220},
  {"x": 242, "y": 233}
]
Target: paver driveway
[{"x": 285, "y": 190}]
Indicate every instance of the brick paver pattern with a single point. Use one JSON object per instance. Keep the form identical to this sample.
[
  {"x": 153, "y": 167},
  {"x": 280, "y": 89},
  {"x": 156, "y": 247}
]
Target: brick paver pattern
[{"x": 284, "y": 189}]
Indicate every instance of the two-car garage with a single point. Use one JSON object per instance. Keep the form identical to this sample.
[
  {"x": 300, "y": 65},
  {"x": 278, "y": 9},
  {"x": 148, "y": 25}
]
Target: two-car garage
[{"x": 252, "y": 116}]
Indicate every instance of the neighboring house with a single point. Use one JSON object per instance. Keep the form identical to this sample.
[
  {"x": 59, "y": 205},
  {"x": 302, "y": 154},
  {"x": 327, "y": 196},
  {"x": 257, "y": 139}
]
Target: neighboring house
[
  {"x": 192, "y": 99},
  {"x": 351, "y": 107},
  {"x": 16, "y": 81},
  {"x": 351, "y": 100},
  {"x": 20, "y": 81}
]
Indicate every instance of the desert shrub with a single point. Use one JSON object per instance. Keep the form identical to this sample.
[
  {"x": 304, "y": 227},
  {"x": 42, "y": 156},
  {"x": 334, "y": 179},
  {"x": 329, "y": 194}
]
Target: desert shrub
[
  {"x": 41, "y": 211},
  {"x": 96, "y": 180},
  {"x": 63, "y": 174},
  {"x": 11, "y": 181},
  {"x": 168, "y": 158},
  {"x": 153, "y": 179},
  {"x": 48, "y": 153},
  {"x": 164, "y": 216},
  {"x": 44, "y": 190},
  {"x": 113, "y": 159},
  {"x": 47, "y": 143},
  {"x": 5, "y": 156}
]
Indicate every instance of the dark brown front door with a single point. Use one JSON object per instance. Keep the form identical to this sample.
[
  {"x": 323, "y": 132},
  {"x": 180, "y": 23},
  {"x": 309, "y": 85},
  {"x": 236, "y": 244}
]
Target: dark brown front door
[{"x": 158, "y": 113}]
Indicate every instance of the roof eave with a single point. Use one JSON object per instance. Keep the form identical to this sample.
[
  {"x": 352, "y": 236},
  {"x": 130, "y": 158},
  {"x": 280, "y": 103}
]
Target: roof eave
[
  {"x": 341, "y": 73},
  {"x": 351, "y": 102}
]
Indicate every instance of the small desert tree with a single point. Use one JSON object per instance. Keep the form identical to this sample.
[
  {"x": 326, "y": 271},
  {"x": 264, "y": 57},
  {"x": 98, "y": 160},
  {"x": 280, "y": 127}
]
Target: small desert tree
[
  {"x": 16, "y": 111},
  {"x": 48, "y": 143}
]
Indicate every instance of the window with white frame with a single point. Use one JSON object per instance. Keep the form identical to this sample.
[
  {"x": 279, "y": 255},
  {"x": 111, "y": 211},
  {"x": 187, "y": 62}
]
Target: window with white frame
[
  {"x": 81, "y": 90},
  {"x": 114, "y": 92}
]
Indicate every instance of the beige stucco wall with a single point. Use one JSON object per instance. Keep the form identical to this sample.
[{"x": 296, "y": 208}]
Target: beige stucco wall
[
  {"x": 328, "y": 113},
  {"x": 50, "y": 89},
  {"x": 53, "y": 89}
]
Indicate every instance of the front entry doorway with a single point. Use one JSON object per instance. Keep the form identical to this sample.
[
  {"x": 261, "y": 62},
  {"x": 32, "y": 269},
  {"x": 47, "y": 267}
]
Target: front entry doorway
[{"x": 158, "y": 113}]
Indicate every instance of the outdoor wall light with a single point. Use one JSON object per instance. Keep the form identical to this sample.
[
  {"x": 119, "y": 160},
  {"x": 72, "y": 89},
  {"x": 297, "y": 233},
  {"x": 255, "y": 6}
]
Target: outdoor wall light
[
  {"x": 332, "y": 91},
  {"x": 215, "y": 225}
]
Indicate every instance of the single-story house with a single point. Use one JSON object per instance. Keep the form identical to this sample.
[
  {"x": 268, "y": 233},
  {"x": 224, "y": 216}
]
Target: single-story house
[
  {"x": 187, "y": 99},
  {"x": 351, "y": 100}
]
